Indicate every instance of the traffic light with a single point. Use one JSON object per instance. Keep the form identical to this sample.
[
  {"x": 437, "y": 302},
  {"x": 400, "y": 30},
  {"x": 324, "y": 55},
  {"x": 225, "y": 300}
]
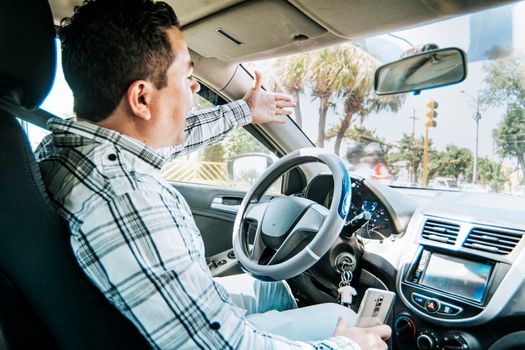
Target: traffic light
[{"x": 431, "y": 114}]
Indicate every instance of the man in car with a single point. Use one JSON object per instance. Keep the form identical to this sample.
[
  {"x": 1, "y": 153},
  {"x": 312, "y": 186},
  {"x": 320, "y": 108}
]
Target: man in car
[{"x": 133, "y": 234}]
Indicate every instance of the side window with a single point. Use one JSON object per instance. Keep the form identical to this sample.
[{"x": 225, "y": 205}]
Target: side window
[
  {"x": 236, "y": 161},
  {"x": 59, "y": 101},
  {"x": 34, "y": 133}
]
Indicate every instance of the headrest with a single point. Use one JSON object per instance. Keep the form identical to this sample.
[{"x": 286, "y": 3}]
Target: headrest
[{"x": 27, "y": 51}]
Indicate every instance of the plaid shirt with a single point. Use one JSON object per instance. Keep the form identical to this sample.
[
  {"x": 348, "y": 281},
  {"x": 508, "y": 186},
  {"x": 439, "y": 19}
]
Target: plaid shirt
[{"x": 134, "y": 235}]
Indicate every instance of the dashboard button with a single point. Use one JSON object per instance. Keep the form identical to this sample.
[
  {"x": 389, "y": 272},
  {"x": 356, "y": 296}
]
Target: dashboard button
[
  {"x": 417, "y": 274},
  {"x": 432, "y": 306},
  {"x": 211, "y": 264},
  {"x": 419, "y": 299},
  {"x": 447, "y": 309}
]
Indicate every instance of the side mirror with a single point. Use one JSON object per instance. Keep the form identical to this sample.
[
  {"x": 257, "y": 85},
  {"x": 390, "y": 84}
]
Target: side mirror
[
  {"x": 246, "y": 168},
  {"x": 427, "y": 70}
]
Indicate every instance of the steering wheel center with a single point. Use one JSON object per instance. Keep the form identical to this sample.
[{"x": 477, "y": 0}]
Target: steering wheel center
[{"x": 280, "y": 218}]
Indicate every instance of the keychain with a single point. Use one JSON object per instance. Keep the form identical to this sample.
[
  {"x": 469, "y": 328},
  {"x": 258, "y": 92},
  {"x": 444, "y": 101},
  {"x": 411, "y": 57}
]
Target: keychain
[{"x": 346, "y": 291}]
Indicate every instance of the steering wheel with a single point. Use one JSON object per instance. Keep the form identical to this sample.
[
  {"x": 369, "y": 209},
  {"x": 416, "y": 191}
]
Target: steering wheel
[{"x": 291, "y": 233}]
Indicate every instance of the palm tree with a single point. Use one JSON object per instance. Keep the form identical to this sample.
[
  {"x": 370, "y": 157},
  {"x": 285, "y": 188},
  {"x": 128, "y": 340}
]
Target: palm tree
[
  {"x": 360, "y": 134},
  {"x": 292, "y": 72},
  {"x": 326, "y": 81},
  {"x": 356, "y": 78}
]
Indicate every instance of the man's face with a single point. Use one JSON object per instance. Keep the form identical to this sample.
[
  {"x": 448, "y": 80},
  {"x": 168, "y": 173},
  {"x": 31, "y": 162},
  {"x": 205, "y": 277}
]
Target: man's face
[{"x": 171, "y": 104}]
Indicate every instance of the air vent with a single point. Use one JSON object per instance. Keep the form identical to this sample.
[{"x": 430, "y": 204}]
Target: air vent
[
  {"x": 492, "y": 240},
  {"x": 440, "y": 231}
]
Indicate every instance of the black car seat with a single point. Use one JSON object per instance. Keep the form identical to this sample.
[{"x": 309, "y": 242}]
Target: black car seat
[{"x": 46, "y": 301}]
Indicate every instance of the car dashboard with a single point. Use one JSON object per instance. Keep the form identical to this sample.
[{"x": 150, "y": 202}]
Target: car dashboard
[
  {"x": 389, "y": 211},
  {"x": 458, "y": 262}
]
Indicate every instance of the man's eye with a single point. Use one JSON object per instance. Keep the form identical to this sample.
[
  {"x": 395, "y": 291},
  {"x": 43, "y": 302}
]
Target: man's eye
[{"x": 190, "y": 77}]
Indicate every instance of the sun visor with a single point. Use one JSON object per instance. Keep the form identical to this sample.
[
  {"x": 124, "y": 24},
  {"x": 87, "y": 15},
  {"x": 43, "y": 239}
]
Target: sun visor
[
  {"x": 363, "y": 18},
  {"x": 249, "y": 28}
]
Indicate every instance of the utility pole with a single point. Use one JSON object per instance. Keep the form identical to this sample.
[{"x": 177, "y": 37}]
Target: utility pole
[
  {"x": 476, "y": 117},
  {"x": 413, "y": 117},
  {"x": 425, "y": 158},
  {"x": 412, "y": 171},
  {"x": 430, "y": 123}
]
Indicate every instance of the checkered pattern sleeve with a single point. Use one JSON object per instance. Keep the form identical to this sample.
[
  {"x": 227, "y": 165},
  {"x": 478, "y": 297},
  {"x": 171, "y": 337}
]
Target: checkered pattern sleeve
[
  {"x": 142, "y": 249},
  {"x": 208, "y": 126}
]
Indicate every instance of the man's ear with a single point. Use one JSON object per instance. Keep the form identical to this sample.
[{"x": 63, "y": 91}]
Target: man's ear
[{"x": 139, "y": 96}]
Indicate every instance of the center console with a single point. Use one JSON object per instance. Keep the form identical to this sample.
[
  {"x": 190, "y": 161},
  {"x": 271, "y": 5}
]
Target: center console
[
  {"x": 456, "y": 280},
  {"x": 450, "y": 285},
  {"x": 441, "y": 286}
]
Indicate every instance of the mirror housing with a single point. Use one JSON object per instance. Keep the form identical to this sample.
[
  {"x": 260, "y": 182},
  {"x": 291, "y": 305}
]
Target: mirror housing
[
  {"x": 426, "y": 70},
  {"x": 245, "y": 168}
]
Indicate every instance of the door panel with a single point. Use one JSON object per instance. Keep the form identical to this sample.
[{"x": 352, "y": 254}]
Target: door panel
[{"x": 214, "y": 210}]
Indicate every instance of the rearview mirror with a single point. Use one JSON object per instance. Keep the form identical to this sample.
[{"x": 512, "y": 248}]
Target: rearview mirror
[{"x": 427, "y": 70}]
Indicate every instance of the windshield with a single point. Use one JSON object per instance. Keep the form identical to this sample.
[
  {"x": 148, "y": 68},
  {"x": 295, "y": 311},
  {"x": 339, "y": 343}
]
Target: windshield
[{"x": 478, "y": 141}]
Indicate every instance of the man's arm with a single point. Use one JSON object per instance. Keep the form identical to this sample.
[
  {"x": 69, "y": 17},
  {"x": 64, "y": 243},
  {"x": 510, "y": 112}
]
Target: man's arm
[
  {"x": 208, "y": 126},
  {"x": 145, "y": 253}
]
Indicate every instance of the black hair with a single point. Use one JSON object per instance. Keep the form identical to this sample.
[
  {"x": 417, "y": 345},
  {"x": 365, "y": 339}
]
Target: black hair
[{"x": 108, "y": 44}]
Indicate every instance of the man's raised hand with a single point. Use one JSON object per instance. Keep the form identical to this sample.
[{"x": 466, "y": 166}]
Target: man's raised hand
[{"x": 267, "y": 107}]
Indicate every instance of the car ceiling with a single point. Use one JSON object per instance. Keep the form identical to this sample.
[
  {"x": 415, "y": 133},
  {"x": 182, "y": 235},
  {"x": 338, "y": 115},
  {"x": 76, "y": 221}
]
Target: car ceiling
[{"x": 240, "y": 30}]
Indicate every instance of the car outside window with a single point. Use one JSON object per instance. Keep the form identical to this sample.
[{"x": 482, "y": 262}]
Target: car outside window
[{"x": 478, "y": 143}]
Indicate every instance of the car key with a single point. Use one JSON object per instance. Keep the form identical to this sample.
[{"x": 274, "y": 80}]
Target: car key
[{"x": 346, "y": 291}]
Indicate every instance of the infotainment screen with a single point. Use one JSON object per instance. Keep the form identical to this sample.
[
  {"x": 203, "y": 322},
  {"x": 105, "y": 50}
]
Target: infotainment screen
[{"x": 457, "y": 276}]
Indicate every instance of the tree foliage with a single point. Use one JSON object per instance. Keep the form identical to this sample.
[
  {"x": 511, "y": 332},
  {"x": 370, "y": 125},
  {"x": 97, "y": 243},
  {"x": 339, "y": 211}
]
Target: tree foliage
[
  {"x": 362, "y": 135},
  {"x": 410, "y": 149},
  {"x": 492, "y": 174},
  {"x": 239, "y": 141},
  {"x": 357, "y": 133},
  {"x": 343, "y": 71},
  {"x": 510, "y": 135},
  {"x": 214, "y": 153},
  {"x": 292, "y": 72},
  {"x": 506, "y": 86},
  {"x": 505, "y": 81},
  {"x": 453, "y": 162},
  {"x": 326, "y": 81},
  {"x": 357, "y": 89},
  {"x": 356, "y": 84}
]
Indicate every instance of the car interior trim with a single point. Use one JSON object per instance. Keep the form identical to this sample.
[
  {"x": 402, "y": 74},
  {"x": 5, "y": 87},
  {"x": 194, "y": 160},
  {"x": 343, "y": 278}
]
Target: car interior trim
[
  {"x": 312, "y": 254},
  {"x": 502, "y": 301}
]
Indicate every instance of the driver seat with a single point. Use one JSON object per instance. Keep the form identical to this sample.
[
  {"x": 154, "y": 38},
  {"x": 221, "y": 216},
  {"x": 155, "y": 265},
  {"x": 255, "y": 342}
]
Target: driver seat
[{"x": 46, "y": 301}]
